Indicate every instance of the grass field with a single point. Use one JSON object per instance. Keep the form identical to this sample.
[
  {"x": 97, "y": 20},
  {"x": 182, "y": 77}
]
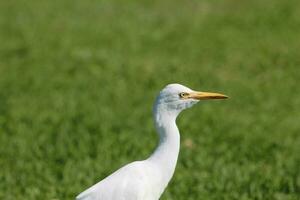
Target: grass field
[{"x": 78, "y": 79}]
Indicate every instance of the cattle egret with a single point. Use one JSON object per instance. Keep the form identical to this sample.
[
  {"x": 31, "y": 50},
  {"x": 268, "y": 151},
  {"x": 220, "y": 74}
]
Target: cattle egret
[{"x": 147, "y": 179}]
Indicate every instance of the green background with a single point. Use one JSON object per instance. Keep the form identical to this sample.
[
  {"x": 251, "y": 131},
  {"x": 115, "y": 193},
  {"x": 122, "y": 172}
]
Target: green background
[{"x": 78, "y": 80}]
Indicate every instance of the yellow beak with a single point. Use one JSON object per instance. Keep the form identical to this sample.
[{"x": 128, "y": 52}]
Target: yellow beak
[{"x": 206, "y": 95}]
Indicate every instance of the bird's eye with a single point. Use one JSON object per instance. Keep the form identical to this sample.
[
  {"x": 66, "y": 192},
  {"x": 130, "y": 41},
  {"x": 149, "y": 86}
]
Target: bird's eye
[{"x": 183, "y": 94}]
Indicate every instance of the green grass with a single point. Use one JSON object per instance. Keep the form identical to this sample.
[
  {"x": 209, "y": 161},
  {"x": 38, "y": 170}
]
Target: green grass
[{"x": 78, "y": 79}]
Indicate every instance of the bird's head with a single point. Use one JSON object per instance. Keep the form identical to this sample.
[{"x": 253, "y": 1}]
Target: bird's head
[{"x": 175, "y": 98}]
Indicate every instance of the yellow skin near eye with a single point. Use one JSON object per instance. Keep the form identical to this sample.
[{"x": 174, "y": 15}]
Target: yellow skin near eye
[{"x": 183, "y": 95}]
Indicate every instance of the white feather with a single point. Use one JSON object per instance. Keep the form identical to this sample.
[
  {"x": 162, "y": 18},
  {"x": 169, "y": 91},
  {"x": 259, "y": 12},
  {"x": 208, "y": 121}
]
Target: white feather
[{"x": 146, "y": 180}]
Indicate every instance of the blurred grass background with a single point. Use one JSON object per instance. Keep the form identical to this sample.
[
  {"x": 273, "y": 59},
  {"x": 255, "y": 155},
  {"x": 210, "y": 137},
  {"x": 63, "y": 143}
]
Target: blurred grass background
[{"x": 78, "y": 79}]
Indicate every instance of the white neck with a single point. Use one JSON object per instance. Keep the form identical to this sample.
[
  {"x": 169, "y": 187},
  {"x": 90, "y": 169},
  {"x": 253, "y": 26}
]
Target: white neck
[{"x": 166, "y": 154}]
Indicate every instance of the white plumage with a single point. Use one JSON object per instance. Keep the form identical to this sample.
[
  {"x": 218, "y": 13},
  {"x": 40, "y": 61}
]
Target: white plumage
[{"x": 147, "y": 179}]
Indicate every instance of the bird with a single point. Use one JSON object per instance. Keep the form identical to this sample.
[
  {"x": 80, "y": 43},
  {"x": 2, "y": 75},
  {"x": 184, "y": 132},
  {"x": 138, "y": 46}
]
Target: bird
[{"x": 147, "y": 179}]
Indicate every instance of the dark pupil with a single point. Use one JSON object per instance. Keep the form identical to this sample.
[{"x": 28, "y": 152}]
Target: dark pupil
[{"x": 182, "y": 94}]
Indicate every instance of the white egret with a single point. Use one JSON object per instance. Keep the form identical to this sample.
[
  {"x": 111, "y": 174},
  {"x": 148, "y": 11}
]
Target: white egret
[{"x": 147, "y": 179}]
